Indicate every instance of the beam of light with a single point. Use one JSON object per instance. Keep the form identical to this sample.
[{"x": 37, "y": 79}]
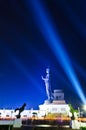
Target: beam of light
[
  {"x": 24, "y": 70},
  {"x": 75, "y": 19},
  {"x": 39, "y": 56},
  {"x": 55, "y": 43}
]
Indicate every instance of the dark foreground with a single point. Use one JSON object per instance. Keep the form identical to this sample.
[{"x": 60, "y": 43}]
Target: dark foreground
[
  {"x": 43, "y": 128},
  {"x": 35, "y": 128},
  {"x": 40, "y": 125}
]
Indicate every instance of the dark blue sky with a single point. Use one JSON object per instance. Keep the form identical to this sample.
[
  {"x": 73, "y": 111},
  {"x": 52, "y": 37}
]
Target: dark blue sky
[{"x": 25, "y": 54}]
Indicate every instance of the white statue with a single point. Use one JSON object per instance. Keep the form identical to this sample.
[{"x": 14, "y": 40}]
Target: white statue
[{"x": 47, "y": 83}]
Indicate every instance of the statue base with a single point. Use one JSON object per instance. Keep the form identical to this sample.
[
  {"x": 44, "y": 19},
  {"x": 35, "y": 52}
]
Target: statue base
[
  {"x": 48, "y": 107},
  {"x": 17, "y": 123},
  {"x": 58, "y": 102}
]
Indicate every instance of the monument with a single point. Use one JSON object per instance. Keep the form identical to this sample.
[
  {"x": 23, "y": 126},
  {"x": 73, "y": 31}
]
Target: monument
[
  {"x": 48, "y": 85},
  {"x": 55, "y": 102}
]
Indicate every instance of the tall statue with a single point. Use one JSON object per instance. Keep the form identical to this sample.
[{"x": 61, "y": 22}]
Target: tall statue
[{"x": 47, "y": 83}]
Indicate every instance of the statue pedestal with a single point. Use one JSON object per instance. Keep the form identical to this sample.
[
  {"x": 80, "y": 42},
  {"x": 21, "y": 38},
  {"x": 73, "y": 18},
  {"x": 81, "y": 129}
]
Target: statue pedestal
[
  {"x": 58, "y": 102},
  {"x": 57, "y": 106},
  {"x": 17, "y": 123}
]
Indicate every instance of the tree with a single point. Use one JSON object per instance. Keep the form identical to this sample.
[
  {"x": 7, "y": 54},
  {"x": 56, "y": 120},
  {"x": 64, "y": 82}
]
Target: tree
[{"x": 73, "y": 111}]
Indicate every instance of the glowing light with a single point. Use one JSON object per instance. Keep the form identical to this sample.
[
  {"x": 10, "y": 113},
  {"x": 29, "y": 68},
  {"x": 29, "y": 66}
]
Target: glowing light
[
  {"x": 85, "y": 107},
  {"x": 51, "y": 36}
]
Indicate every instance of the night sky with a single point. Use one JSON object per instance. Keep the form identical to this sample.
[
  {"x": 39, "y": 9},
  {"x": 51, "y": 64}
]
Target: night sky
[{"x": 25, "y": 52}]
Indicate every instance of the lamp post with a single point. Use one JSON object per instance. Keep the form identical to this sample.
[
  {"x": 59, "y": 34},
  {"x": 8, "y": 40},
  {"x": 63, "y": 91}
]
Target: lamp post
[{"x": 79, "y": 111}]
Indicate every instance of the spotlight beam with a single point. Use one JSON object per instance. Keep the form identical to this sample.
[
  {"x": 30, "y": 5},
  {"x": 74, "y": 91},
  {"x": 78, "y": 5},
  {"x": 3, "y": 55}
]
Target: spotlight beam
[{"x": 51, "y": 36}]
